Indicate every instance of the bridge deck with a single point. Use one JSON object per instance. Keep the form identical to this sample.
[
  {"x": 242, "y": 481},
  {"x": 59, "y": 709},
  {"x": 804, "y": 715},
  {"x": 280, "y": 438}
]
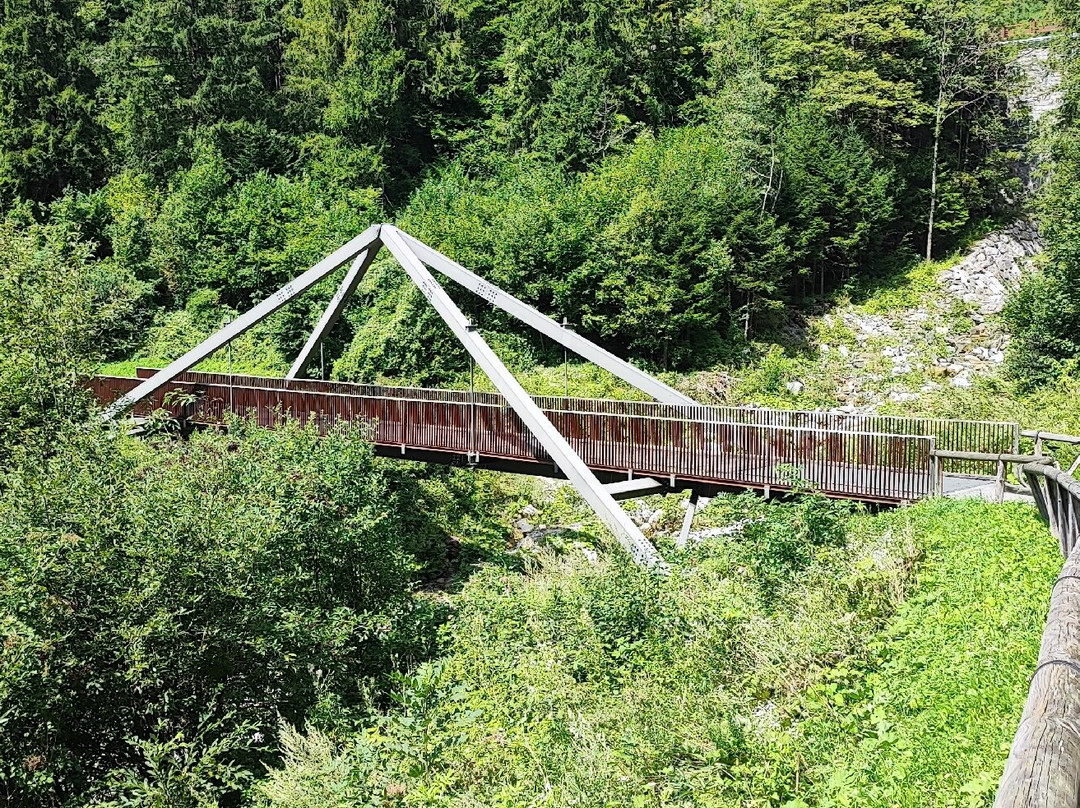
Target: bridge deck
[{"x": 707, "y": 448}]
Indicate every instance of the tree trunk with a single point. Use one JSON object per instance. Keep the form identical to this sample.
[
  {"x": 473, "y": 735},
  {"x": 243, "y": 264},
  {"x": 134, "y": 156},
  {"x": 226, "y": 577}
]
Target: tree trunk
[
  {"x": 939, "y": 120},
  {"x": 933, "y": 194}
]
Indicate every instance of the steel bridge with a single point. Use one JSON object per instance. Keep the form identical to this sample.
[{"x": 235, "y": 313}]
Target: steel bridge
[
  {"x": 644, "y": 447},
  {"x": 608, "y": 450}
]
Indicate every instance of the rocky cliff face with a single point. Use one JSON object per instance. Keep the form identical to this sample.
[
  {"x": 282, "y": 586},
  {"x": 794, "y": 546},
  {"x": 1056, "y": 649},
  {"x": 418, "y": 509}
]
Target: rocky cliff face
[
  {"x": 995, "y": 264},
  {"x": 1039, "y": 92},
  {"x": 1040, "y": 84}
]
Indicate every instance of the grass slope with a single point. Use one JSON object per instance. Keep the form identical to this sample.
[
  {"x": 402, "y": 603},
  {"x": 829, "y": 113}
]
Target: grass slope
[{"x": 927, "y": 719}]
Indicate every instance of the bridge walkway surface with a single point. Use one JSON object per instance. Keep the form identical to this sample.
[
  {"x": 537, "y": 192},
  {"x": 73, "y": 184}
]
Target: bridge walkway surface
[{"x": 708, "y": 449}]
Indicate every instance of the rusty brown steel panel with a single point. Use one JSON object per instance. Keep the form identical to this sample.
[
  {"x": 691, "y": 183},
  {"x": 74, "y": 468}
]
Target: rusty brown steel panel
[
  {"x": 570, "y": 424},
  {"x": 693, "y": 446}
]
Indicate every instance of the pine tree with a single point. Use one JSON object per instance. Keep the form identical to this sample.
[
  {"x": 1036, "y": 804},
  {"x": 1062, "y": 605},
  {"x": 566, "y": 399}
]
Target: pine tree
[{"x": 49, "y": 140}]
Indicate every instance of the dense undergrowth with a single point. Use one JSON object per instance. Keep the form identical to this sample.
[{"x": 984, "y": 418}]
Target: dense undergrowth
[
  {"x": 820, "y": 658},
  {"x": 178, "y": 616},
  {"x": 932, "y": 703}
]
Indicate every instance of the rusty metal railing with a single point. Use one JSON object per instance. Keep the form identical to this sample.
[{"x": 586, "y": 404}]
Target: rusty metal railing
[
  {"x": 874, "y": 467},
  {"x": 950, "y": 435}
]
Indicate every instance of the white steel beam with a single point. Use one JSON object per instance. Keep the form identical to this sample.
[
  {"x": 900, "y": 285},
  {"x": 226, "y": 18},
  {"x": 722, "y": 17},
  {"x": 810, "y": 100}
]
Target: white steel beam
[
  {"x": 568, "y": 461},
  {"x": 333, "y": 310},
  {"x": 545, "y": 325},
  {"x": 688, "y": 521},
  {"x": 637, "y": 487},
  {"x": 241, "y": 324},
  {"x": 694, "y": 505}
]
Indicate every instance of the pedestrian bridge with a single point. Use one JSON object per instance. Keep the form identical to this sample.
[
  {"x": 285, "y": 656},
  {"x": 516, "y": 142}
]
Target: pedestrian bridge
[{"x": 869, "y": 458}]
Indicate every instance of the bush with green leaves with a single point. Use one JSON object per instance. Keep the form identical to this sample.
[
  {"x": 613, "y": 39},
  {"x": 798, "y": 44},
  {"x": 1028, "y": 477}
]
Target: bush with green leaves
[
  {"x": 57, "y": 310},
  {"x": 593, "y": 682},
  {"x": 163, "y": 606}
]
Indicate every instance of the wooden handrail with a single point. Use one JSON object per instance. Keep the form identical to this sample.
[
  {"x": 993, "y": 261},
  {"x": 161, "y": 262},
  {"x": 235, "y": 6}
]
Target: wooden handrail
[
  {"x": 1043, "y": 767},
  {"x": 1006, "y": 457},
  {"x": 1055, "y": 437}
]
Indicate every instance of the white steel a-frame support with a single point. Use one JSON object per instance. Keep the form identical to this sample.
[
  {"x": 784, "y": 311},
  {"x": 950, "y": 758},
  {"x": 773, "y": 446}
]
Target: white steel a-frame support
[
  {"x": 361, "y": 250},
  {"x": 365, "y": 241},
  {"x": 500, "y": 299}
]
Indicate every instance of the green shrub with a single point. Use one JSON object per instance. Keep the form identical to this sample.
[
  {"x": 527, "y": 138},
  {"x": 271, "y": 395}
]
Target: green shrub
[
  {"x": 155, "y": 600},
  {"x": 49, "y": 338},
  {"x": 925, "y": 715}
]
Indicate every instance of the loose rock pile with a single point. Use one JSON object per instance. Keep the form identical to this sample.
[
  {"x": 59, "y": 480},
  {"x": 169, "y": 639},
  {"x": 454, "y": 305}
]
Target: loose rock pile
[
  {"x": 994, "y": 268},
  {"x": 983, "y": 281}
]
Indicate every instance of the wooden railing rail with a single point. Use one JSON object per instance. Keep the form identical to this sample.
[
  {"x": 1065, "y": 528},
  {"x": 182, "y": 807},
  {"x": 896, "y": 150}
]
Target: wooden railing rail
[
  {"x": 1057, "y": 496},
  {"x": 1043, "y": 767},
  {"x": 1041, "y": 437}
]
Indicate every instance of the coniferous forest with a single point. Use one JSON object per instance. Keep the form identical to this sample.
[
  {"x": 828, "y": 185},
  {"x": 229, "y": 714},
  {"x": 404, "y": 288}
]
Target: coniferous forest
[
  {"x": 274, "y": 618},
  {"x": 669, "y": 177}
]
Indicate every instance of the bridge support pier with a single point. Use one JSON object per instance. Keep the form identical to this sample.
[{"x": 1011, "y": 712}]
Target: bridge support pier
[
  {"x": 687, "y": 522},
  {"x": 693, "y": 505}
]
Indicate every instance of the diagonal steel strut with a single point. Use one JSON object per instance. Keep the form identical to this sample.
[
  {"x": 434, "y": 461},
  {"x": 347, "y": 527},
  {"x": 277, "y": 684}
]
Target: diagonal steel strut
[
  {"x": 545, "y": 325},
  {"x": 568, "y": 461},
  {"x": 333, "y": 311},
  {"x": 367, "y": 239}
]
